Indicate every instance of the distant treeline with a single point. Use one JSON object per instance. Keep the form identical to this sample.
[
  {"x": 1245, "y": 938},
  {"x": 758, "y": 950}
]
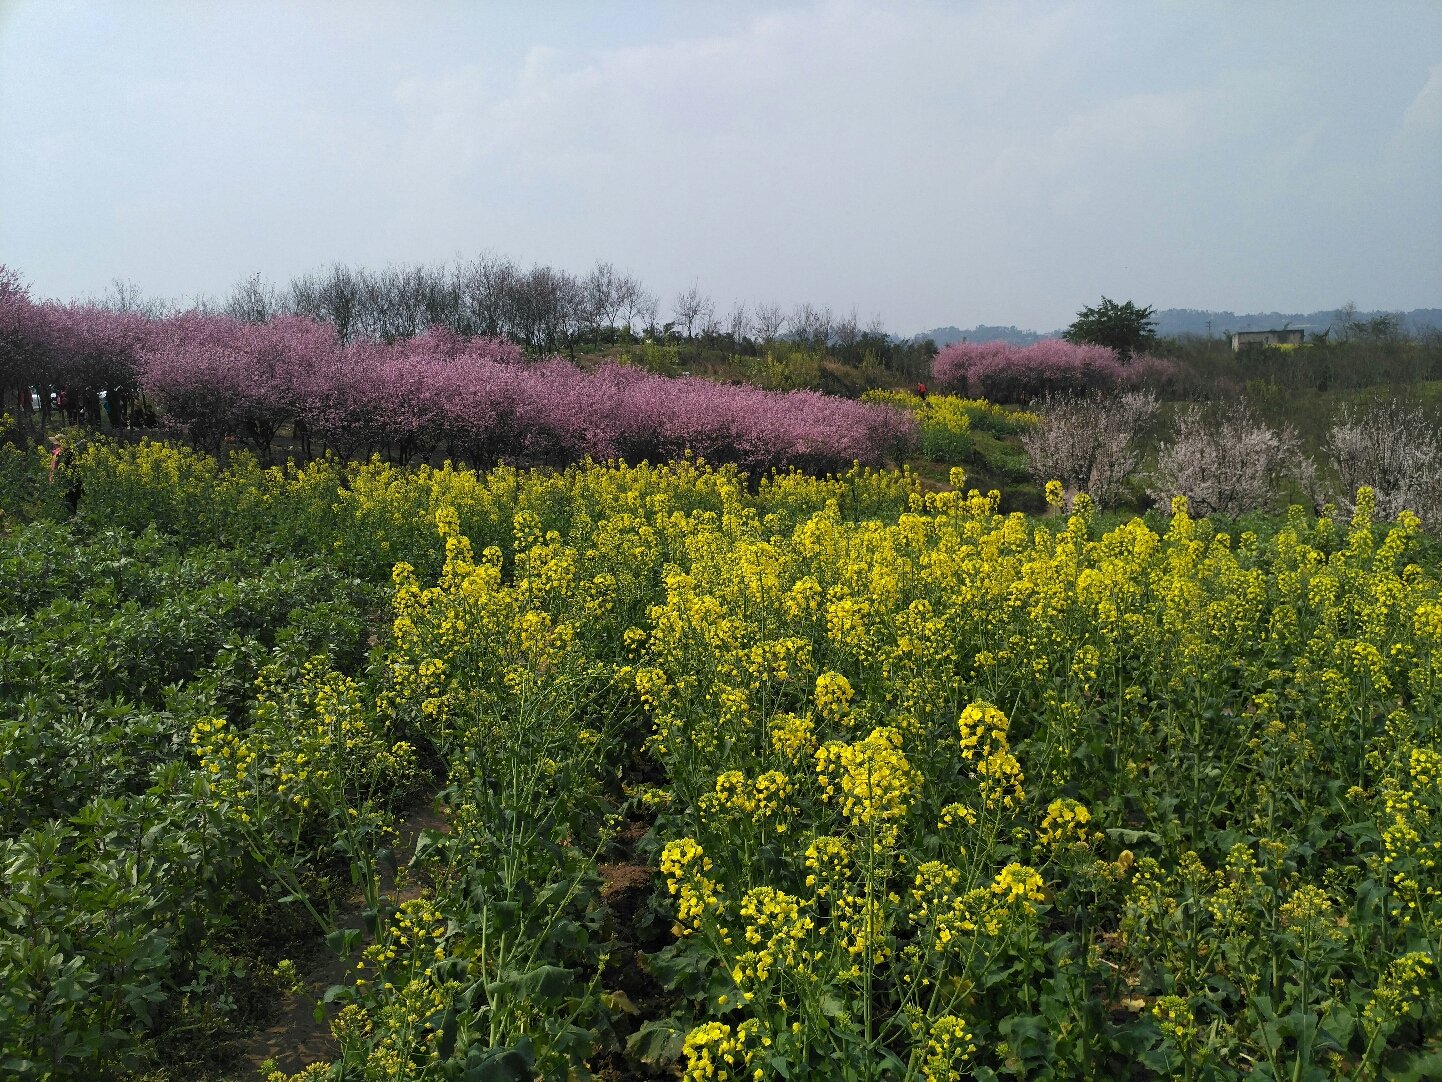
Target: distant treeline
[
  {"x": 1338, "y": 324},
  {"x": 544, "y": 309}
]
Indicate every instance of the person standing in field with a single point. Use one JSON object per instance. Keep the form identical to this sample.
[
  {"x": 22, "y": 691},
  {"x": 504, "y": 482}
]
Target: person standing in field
[{"x": 62, "y": 462}]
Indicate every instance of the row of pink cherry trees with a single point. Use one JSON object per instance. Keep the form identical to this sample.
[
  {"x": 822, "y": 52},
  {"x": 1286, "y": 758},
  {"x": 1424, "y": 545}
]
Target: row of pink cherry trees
[
  {"x": 473, "y": 399},
  {"x": 58, "y": 358},
  {"x": 1003, "y": 372}
]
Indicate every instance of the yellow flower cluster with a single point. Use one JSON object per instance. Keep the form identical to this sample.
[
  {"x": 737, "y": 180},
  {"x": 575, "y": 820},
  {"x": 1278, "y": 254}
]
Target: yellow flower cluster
[
  {"x": 1017, "y": 884},
  {"x": 1065, "y": 825},
  {"x": 833, "y": 694},
  {"x": 766, "y": 798},
  {"x": 983, "y": 731},
  {"x": 309, "y": 743},
  {"x": 1174, "y": 1018},
  {"x": 1309, "y": 913},
  {"x": 716, "y": 1053},
  {"x": 949, "y": 1046},
  {"x": 872, "y": 780},
  {"x": 792, "y": 737},
  {"x": 948, "y": 916},
  {"x": 1400, "y": 989},
  {"x": 686, "y": 869},
  {"x": 776, "y": 931},
  {"x": 413, "y": 937},
  {"x": 954, "y": 815},
  {"x": 862, "y": 925},
  {"x": 828, "y": 863}
]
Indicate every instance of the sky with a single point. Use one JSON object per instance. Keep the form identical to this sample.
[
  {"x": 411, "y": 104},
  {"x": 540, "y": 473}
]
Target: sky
[{"x": 924, "y": 163}]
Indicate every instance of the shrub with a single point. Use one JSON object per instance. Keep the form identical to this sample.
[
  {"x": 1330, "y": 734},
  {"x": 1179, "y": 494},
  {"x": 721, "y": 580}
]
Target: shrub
[
  {"x": 998, "y": 420},
  {"x": 1090, "y": 442},
  {"x": 1225, "y": 460},
  {"x": 944, "y": 420},
  {"x": 1395, "y": 448}
]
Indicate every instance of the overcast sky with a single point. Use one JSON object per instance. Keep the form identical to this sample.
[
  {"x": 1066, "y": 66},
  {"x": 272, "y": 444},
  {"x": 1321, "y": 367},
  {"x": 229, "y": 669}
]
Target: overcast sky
[{"x": 946, "y": 163}]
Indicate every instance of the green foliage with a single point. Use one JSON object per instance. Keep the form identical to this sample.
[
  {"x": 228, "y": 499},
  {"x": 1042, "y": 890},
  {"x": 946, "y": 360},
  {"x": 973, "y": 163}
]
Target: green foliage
[
  {"x": 944, "y": 420},
  {"x": 124, "y": 881},
  {"x": 785, "y": 368},
  {"x": 969, "y": 432},
  {"x": 26, "y": 491},
  {"x": 1198, "y": 841},
  {"x": 1000, "y": 458},
  {"x": 661, "y": 358},
  {"x": 1124, "y": 328}
]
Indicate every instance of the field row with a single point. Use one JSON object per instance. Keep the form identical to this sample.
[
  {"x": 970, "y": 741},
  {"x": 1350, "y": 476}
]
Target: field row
[{"x": 803, "y": 779}]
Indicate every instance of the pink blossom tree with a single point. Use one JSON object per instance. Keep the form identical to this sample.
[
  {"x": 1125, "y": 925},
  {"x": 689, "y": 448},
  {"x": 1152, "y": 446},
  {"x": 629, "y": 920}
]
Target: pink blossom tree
[
  {"x": 1007, "y": 373},
  {"x": 224, "y": 380}
]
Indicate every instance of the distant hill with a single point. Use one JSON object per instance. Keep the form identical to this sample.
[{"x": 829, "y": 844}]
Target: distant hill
[
  {"x": 1177, "y": 321},
  {"x": 946, "y": 336},
  {"x": 1172, "y": 322}
]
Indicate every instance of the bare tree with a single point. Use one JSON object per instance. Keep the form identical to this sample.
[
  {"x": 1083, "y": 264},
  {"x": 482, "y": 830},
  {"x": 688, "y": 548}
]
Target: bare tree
[
  {"x": 636, "y": 304},
  {"x": 379, "y": 309},
  {"x": 692, "y": 309},
  {"x": 768, "y": 319},
  {"x": 737, "y": 325},
  {"x": 809, "y": 325},
  {"x": 334, "y": 296},
  {"x": 846, "y": 331},
  {"x": 1344, "y": 322},
  {"x": 546, "y": 307},
  {"x": 204, "y": 303},
  {"x": 486, "y": 289},
  {"x": 254, "y": 300},
  {"x": 441, "y": 299},
  {"x": 613, "y": 298},
  {"x": 126, "y": 296},
  {"x": 403, "y": 301},
  {"x": 600, "y": 298}
]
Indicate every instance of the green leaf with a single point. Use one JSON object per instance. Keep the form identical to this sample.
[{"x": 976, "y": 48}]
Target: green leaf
[
  {"x": 1426, "y": 1066},
  {"x": 1131, "y": 837},
  {"x": 343, "y": 941},
  {"x": 513, "y": 1064},
  {"x": 337, "y": 991},
  {"x": 543, "y": 982},
  {"x": 446, "y": 1046},
  {"x": 619, "y": 1002},
  {"x": 658, "y": 1043}
]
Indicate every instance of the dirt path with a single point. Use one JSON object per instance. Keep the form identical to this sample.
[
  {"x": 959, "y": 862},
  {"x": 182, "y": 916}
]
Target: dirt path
[{"x": 294, "y": 1040}]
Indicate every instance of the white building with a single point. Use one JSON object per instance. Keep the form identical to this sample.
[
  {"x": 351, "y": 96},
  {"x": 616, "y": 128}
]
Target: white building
[{"x": 1290, "y": 336}]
